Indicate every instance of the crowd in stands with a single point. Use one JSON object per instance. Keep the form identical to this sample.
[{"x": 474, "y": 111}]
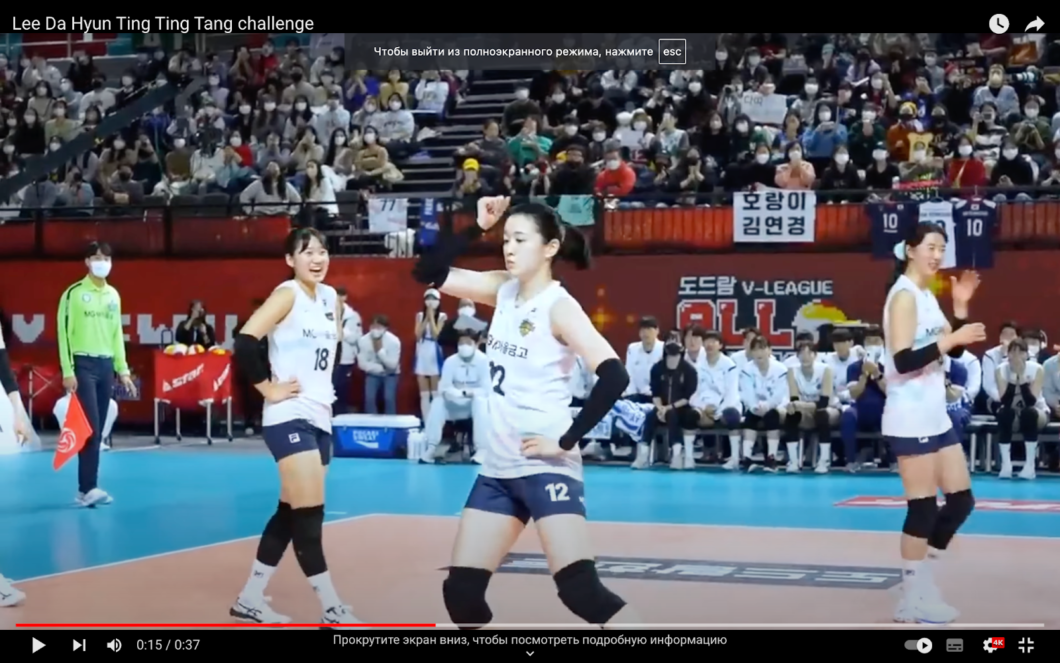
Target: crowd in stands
[
  {"x": 274, "y": 128},
  {"x": 861, "y": 114}
]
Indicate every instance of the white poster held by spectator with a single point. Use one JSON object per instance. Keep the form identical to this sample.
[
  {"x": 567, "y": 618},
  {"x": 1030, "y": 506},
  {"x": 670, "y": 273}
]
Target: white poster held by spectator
[
  {"x": 774, "y": 216},
  {"x": 764, "y": 108},
  {"x": 388, "y": 215}
]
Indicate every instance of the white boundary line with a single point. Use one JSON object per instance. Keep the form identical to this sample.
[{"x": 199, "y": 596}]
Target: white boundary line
[{"x": 365, "y": 516}]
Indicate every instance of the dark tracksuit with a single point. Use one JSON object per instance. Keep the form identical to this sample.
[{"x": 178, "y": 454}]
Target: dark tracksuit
[
  {"x": 671, "y": 386},
  {"x": 864, "y": 416}
]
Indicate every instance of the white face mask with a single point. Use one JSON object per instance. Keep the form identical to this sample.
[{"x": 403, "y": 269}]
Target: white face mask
[
  {"x": 570, "y": 129},
  {"x": 640, "y": 126},
  {"x": 270, "y": 106},
  {"x": 794, "y": 155},
  {"x": 869, "y": 116},
  {"x": 100, "y": 268},
  {"x": 236, "y": 141},
  {"x": 300, "y": 106},
  {"x": 466, "y": 351},
  {"x": 54, "y": 147},
  {"x": 753, "y": 60},
  {"x": 395, "y": 105},
  {"x": 9, "y": 149},
  {"x": 721, "y": 56},
  {"x": 613, "y": 164},
  {"x": 431, "y": 303},
  {"x": 877, "y": 83},
  {"x": 1010, "y": 154},
  {"x": 762, "y": 158},
  {"x": 929, "y": 61},
  {"x": 244, "y": 109},
  {"x": 1032, "y": 113},
  {"x": 119, "y": 144},
  {"x": 964, "y": 150},
  {"x": 376, "y": 333},
  {"x": 559, "y": 97},
  {"x": 825, "y": 117},
  {"x": 126, "y": 81},
  {"x": 61, "y": 112},
  {"x": 466, "y": 311},
  {"x": 31, "y": 119},
  {"x": 1033, "y": 350},
  {"x": 340, "y": 140},
  {"x": 767, "y": 88},
  {"x": 715, "y": 124},
  {"x": 369, "y": 108},
  {"x": 842, "y": 159},
  {"x": 741, "y": 127},
  {"x": 811, "y": 89},
  {"x": 599, "y": 136},
  {"x": 369, "y": 138},
  {"x": 522, "y": 95},
  {"x": 879, "y": 155},
  {"x": 694, "y": 88}
]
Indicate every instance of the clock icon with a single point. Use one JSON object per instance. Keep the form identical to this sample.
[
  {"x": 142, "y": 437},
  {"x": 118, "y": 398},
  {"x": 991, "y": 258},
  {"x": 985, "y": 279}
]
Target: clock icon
[{"x": 999, "y": 24}]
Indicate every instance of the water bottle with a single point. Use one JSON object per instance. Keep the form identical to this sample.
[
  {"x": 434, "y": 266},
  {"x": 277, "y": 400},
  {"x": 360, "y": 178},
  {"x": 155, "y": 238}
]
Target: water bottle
[{"x": 417, "y": 444}]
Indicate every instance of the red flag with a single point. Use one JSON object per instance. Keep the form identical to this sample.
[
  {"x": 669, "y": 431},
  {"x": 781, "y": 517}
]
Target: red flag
[{"x": 76, "y": 431}]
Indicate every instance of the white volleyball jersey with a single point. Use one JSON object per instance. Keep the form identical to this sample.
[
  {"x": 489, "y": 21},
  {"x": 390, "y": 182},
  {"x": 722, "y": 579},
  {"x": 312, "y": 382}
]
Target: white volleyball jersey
[
  {"x": 792, "y": 361},
  {"x": 302, "y": 347},
  {"x": 809, "y": 386},
  {"x": 1030, "y": 374},
  {"x": 916, "y": 402},
  {"x": 718, "y": 385},
  {"x": 770, "y": 387},
  {"x": 530, "y": 374},
  {"x": 839, "y": 368},
  {"x": 740, "y": 358}
]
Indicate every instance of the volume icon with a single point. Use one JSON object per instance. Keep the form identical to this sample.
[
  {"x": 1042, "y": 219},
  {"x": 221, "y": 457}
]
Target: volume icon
[{"x": 114, "y": 645}]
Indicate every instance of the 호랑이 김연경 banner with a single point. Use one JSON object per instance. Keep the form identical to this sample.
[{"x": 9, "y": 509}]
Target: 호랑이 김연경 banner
[{"x": 774, "y": 216}]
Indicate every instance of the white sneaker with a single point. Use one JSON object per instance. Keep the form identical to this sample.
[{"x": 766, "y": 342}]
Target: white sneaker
[
  {"x": 641, "y": 461},
  {"x": 256, "y": 611},
  {"x": 793, "y": 466},
  {"x": 104, "y": 446},
  {"x": 822, "y": 468},
  {"x": 94, "y": 497},
  {"x": 1006, "y": 471},
  {"x": 341, "y": 617},
  {"x": 10, "y": 595},
  {"x": 677, "y": 461},
  {"x": 732, "y": 464},
  {"x": 923, "y": 610},
  {"x": 479, "y": 457},
  {"x": 1028, "y": 471}
]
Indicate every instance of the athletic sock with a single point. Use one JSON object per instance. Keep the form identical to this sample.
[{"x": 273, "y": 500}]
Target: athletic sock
[
  {"x": 325, "y": 590},
  {"x": 260, "y": 574},
  {"x": 735, "y": 440},
  {"x": 1006, "y": 454},
  {"x": 773, "y": 443},
  {"x": 748, "y": 449},
  {"x": 793, "y": 452},
  {"x": 913, "y": 576}
]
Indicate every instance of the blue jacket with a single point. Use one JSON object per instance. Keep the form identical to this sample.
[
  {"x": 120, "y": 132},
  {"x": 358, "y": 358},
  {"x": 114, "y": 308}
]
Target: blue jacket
[{"x": 873, "y": 396}]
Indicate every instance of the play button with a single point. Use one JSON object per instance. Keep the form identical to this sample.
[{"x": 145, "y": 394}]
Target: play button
[
  {"x": 37, "y": 645},
  {"x": 923, "y": 645}
]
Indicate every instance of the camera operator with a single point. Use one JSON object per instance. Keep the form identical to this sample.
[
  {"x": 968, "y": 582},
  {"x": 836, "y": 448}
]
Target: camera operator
[{"x": 195, "y": 330}]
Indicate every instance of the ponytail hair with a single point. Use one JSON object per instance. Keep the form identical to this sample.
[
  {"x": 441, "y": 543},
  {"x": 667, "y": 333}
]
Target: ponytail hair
[
  {"x": 901, "y": 258},
  {"x": 573, "y": 246}
]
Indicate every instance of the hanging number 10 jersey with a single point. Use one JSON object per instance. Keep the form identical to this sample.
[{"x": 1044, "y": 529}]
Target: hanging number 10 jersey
[
  {"x": 974, "y": 222},
  {"x": 891, "y": 223}
]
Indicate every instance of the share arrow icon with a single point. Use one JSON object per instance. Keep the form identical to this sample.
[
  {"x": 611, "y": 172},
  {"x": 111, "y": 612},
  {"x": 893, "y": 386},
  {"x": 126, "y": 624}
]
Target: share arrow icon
[{"x": 1037, "y": 24}]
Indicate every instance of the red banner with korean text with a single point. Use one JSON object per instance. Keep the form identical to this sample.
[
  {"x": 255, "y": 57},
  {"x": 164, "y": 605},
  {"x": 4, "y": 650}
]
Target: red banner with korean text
[{"x": 189, "y": 381}]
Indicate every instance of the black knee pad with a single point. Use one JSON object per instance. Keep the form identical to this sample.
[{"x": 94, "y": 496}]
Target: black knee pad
[
  {"x": 307, "y": 524},
  {"x": 464, "y": 593},
  {"x": 821, "y": 421},
  {"x": 792, "y": 421},
  {"x": 280, "y": 525},
  {"x": 580, "y": 589},
  {"x": 771, "y": 420},
  {"x": 960, "y": 505},
  {"x": 920, "y": 517},
  {"x": 1029, "y": 424},
  {"x": 1005, "y": 416}
]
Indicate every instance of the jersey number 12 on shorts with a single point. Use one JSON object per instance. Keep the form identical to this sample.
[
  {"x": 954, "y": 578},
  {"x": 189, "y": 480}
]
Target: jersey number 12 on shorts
[{"x": 557, "y": 492}]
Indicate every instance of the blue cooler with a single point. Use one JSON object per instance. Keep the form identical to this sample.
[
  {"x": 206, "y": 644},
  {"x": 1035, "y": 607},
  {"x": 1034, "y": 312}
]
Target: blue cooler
[{"x": 372, "y": 435}]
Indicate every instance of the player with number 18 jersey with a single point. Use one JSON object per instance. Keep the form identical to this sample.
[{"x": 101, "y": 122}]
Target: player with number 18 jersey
[{"x": 530, "y": 374}]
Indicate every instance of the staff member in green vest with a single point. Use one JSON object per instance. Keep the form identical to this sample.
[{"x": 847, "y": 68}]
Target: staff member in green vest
[{"x": 91, "y": 350}]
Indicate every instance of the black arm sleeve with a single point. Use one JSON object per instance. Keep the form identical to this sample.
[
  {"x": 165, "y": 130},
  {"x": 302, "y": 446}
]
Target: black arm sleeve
[
  {"x": 612, "y": 381},
  {"x": 433, "y": 267},
  {"x": 1029, "y": 399},
  {"x": 1009, "y": 395},
  {"x": 909, "y": 360},
  {"x": 7, "y": 376},
  {"x": 249, "y": 360},
  {"x": 958, "y": 350}
]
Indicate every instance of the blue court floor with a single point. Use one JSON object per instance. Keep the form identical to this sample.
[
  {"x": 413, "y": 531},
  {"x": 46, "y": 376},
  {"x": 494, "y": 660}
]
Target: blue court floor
[{"x": 167, "y": 500}]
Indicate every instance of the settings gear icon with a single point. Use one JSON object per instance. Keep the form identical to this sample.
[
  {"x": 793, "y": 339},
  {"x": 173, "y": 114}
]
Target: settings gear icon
[{"x": 988, "y": 645}]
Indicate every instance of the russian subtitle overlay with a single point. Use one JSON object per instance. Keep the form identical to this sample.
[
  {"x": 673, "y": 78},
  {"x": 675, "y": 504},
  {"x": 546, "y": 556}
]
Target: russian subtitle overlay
[{"x": 574, "y": 51}]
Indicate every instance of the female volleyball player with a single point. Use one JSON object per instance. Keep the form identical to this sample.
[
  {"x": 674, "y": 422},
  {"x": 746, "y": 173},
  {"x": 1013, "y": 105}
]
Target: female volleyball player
[
  {"x": 915, "y": 422},
  {"x": 813, "y": 407},
  {"x": 531, "y": 467},
  {"x": 9, "y": 595},
  {"x": 302, "y": 320}
]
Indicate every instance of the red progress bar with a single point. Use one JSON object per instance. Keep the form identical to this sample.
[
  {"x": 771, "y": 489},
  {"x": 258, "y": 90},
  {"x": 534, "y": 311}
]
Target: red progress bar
[{"x": 225, "y": 625}]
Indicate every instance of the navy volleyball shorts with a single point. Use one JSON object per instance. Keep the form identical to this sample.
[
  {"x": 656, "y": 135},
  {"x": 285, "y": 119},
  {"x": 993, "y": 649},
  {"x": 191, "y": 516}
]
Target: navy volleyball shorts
[
  {"x": 918, "y": 446},
  {"x": 292, "y": 437},
  {"x": 528, "y": 498}
]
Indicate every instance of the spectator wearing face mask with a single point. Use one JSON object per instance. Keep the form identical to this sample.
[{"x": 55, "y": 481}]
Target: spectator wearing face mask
[
  {"x": 966, "y": 170},
  {"x": 306, "y": 149},
  {"x": 527, "y": 145},
  {"x": 805, "y": 104},
  {"x": 617, "y": 179},
  {"x": 300, "y": 117},
  {"x": 944, "y": 133},
  {"x": 82, "y": 72},
  {"x": 491, "y": 149},
  {"x": 598, "y": 143},
  {"x": 1032, "y": 133},
  {"x": 758, "y": 171},
  {"x": 461, "y": 394},
  {"x": 239, "y": 144},
  {"x": 637, "y": 135},
  {"x": 881, "y": 175},
  {"x": 715, "y": 142},
  {"x": 42, "y": 100},
  {"x": 340, "y": 154},
  {"x": 10, "y": 123},
  {"x": 573, "y": 177},
  {"x": 367, "y": 115},
  {"x": 397, "y": 128},
  {"x": 370, "y": 163},
  {"x": 75, "y": 193},
  {"x": 299, "y": 88},
  {"x": 988, "y": 131},
  {"x": 29, "y": 136},
  {"x": 361, "y": 86},
  {"x": 898, "y": 135},
  {"x": 243, "y": 121},
  {"x": 792, "y": 132},
  {"x": 99, "y": 96},
  {"x": 559, "y": 108},
  {"x": 841, "y": 175},
  {"x": 129, "y": 87},
  {"x": 471, "y": 183},
  {"x": 1049, "y": 175},
  {"x": 8, "y": 155},
  {"x": 379, "y": 356},
  {"x": 177, "y": 170},
  {"x": 333, "y": 118},
  {"x": 206, "y": 163},
  {"x": 60, "y": 126},
  {"x": 464, "y": 321},
  {"x": 1003, "y": 96},
  {"x": 567, "y": 137},
  {"x": 924, "y": 165},
  {"x": 432, "y": 93},
  {"x": 210, "y": 118},
  {"x": 696, "y": 106},
  {"x": 847, "y": 107},
  {"x": 518, "y": 111},
  {"x": 394, "y": 86},
  {"x": 864, "y": 136},
  {"x": 272, "y": 195},
  {"x": 922, "y": 95},
  {"x": 670, "y": 140},
  {"x": 691, "y": 176},
  {"x": 821, "y": 141},
  {"x": 317, "y": 191},
  {"x": 123, "y": 192},
  {"x": 40, "y": 70},
  {"x": 267, "y": 119},
  {"x": 797, "y": 173},
  {"x": 1012, "y": 170},
  {"x": 270, "y": 150}
]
